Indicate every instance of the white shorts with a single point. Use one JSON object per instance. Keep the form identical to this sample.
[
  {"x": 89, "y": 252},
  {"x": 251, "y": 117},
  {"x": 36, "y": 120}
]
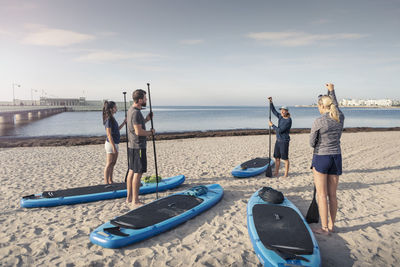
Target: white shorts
[{"x": 109, "y": 148}]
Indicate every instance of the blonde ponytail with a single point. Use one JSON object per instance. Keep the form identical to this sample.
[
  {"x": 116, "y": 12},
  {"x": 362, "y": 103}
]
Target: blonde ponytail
[
  {"x": 327, "y": 103},
  {"x": 333, "y": 113}
]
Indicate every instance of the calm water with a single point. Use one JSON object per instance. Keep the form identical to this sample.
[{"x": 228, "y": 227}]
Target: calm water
[{"x": 179, "y": 119}]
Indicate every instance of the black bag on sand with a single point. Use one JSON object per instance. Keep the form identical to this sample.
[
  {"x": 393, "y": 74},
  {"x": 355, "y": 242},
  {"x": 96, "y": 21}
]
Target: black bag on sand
[
  {"x": 313, "y": 213},
  {"x": 271, "y": 195}
]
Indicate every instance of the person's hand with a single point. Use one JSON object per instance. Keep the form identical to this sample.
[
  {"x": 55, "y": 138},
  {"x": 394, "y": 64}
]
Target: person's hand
[
  {"x": 270, "y": 99},
  {"x": 153, "y": 131},
  {"x": 149, "y": 116},
  {"x": 270, "y": 123},
  {"x": 114, "y": 149},
  {"x": 329, "y": 86}
]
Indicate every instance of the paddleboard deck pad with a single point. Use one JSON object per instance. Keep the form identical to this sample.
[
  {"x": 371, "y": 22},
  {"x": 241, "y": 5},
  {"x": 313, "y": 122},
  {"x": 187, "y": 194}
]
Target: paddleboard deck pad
[
  {"x": 280, "y": 235},
  {"x": 156, "y": 217},
  {"x": 94, "y": 193},
  {"x": 252, "y": 167}
]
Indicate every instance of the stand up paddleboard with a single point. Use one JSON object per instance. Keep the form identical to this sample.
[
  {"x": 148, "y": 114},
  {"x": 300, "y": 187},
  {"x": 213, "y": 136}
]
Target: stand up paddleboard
[
  {"x": 156, "y": 217},
  {"x": 279, "y": 233},
  {"x": 94, "y": 193},
  {"x": 252, "y": 167}
]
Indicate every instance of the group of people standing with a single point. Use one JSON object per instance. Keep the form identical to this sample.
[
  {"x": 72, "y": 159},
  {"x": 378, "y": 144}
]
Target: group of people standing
[
  {"x": 137, "y": 136},
  {"x": 325, "y": 137}
]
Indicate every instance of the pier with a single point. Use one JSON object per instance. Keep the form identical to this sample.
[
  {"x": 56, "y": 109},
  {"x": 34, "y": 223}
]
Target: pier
[{"x": 11, "y": 115}]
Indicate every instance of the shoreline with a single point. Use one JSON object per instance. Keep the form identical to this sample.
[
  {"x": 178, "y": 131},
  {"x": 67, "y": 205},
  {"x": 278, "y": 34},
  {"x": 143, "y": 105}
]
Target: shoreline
[{"x": 8, "y": 142}]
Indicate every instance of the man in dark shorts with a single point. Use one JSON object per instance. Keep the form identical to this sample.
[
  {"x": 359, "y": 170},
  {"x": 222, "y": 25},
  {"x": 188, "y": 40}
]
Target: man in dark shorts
[
  {"x": 281, "y": 150},
  {"x": 137, "y": 158}
]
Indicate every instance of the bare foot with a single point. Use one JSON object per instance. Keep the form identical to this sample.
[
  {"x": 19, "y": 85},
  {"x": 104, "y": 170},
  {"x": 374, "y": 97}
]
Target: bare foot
[
  {"x": 331, "y": 227},
  {"x": 285, "y": 176},
  {"x": 276, "y": 174},
  {"x": 321, "y": 231},
  {"x": 136, "y": 205}
]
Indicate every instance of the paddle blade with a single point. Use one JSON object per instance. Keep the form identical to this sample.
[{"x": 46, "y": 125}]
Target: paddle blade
[
  {"x": 268, "y": 172},
  {"x": 313, "y": 213}
]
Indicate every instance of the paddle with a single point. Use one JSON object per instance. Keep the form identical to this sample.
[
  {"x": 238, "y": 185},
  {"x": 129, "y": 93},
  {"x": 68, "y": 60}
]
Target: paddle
[
  {"x": 313, "y": 213},
  {"x": 268, "y": 172},
  {"x": 126, "y": 134},
  {"x": 154, "y": 141}
]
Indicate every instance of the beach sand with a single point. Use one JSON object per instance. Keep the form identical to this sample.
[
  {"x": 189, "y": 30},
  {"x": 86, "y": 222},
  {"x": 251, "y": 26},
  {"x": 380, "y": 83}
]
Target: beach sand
[{"x": 368, "y": 219}]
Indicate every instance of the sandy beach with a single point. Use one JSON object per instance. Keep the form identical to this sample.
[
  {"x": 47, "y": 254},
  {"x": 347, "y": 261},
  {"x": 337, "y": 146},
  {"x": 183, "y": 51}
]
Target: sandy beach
[{"x": 368, "y": 218}]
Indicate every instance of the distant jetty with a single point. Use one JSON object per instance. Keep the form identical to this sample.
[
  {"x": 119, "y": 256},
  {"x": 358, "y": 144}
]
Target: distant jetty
[{"x": 72, "y": 104}]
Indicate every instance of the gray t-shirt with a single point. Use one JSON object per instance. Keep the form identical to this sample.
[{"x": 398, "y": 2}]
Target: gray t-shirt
[
  {"x": 326, "y": 132},
  {"x": 135, "y": 117}
]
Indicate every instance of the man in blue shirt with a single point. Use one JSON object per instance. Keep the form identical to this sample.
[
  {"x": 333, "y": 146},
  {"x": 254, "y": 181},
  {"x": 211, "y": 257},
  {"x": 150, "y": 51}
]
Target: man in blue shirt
[{"x": 281, "y": 150}]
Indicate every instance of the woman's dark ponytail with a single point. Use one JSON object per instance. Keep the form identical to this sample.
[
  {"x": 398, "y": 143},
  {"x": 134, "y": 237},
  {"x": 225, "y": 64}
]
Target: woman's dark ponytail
[{"x": 107, "y": 107}]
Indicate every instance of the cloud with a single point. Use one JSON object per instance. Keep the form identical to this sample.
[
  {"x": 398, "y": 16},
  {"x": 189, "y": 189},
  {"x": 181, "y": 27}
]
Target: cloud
[
  {"x": 300, "y": 38},
  {"x": 102, "y": 55},
  {"x": 5, "y": 33},
  {"x": 192, "y": 41},
  {"x": 44, "y": 36}
]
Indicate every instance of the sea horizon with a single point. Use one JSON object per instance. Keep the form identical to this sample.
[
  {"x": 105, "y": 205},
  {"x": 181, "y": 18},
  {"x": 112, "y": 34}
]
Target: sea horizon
[{"x": 169, "y": 119}]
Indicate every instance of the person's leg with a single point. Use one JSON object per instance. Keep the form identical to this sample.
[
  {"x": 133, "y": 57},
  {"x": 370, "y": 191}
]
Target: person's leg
[
  {"x": 286, "y": 167},
  {"x": 277, "y": 156},
  {"x": 135, "y": 190},
  {"x": 320, "y": 181},
  {"x": 129, "y": 186},
  {"x": 109, "y": 160},
  {"x": 285, "y": 156},
  {"x": 114, "y": 161},
  {"x": 277, "y": 165},
  {"x": 333, "y": 181}
]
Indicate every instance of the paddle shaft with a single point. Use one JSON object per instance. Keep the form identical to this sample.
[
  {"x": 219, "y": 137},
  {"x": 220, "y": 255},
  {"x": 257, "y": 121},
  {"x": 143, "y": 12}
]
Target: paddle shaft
[
  {"x": 154, "y": 141},
  {"x": 268, "y": 172},
  {"x": 127, "y": 140},
  {"x": 269, "y": 150}
]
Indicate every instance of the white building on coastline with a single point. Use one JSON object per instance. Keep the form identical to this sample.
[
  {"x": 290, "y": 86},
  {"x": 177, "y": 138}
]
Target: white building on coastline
[{"x": 369, "y": 102}]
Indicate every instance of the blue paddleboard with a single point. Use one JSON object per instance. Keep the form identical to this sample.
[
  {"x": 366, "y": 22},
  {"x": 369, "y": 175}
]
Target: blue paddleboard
[
  {"x": 252, "y": 167},
  {"x": 280, "y": 235},
  {"x": 94, "y": 193},
  {"x": 156, "y": 217}
]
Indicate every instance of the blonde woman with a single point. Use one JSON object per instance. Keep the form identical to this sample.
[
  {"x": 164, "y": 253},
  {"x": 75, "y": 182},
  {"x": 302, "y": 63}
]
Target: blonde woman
[{"x": 327, "y": 158}]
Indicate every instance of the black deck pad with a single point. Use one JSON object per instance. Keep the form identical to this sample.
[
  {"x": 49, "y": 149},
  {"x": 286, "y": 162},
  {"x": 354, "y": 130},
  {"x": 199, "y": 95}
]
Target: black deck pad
[
  {"x": 282, "y": 228},
  {"x": 94, "y": 189},
  {"x": 255, "y": 163},
  {"x": 157, "y": 211}
]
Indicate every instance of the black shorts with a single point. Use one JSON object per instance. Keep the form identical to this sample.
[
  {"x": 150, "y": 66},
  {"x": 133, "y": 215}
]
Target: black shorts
[
  {"x": 328, "y": 164},
  {"x": 137, "y": 160},
  {"x": 281, "y": 150}
]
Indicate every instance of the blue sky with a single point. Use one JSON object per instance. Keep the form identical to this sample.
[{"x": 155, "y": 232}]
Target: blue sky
[{"x": 200, "y": 52}]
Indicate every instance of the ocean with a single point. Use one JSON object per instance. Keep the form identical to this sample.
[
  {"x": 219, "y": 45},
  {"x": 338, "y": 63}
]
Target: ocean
[{"x": 197, "y": 118}]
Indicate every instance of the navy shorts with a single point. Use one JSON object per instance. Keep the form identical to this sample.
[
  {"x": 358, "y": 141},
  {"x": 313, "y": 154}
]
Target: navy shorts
[
  {"x": 137, "y": 160},
  {"x": 328, "y": 164},
  {"x": 281, "y": 150}
]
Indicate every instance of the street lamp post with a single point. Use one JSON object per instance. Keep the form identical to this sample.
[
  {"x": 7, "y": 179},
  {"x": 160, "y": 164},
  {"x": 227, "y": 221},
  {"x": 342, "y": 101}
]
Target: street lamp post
[
  {"x": 13, "y": 85},
  {"x": 33, "y": 90}
]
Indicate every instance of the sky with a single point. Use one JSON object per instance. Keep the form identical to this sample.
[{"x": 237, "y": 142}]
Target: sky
[{"x": 203, "y": 52}]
